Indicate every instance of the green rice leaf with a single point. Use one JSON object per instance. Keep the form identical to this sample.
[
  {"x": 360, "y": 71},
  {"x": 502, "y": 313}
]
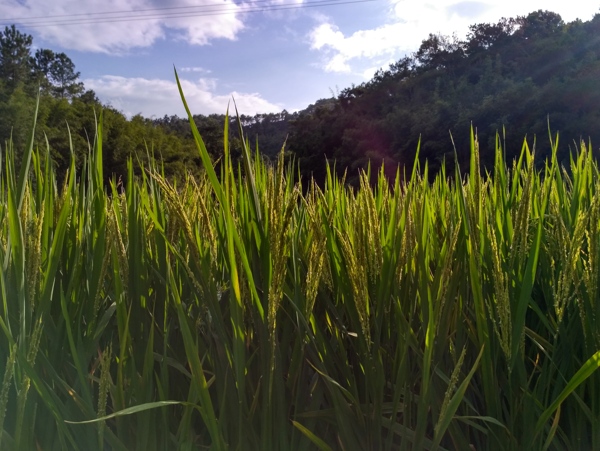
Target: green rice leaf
[
  {"x": 320, "y": 444},
  {"x": 130, "y": 411},
  {"x": 586, "y": 370}
]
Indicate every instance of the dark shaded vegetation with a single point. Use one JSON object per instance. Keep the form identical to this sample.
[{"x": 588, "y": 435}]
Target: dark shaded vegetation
[
  {"x": 510, "y": 79},
  {"x": 517, "y": 75}
]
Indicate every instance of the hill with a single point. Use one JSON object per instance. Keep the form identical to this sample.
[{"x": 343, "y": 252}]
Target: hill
[{"x": 516, "y": 77}]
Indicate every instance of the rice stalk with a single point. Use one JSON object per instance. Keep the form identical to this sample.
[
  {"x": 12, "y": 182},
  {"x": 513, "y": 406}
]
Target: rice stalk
[
  {"x": 358, "y": 282},
  {"x": 6, "y": 384},
  {"x": 33, "y": 256},
  {"x": 280, "y": 206},
  {"x": 316, "y": 256},
  {"x": 589, "y": 312},
  {"x": 103, "y": 388},
  {"x": 451, "y": 387},
  {"x": 567, "y": 283},
  {"x": 500, "y": 304},
  {"x": 23, "y": 391}
]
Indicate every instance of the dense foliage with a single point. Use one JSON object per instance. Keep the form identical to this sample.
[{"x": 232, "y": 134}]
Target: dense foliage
[
  {"x": 236, "y": 312},
  {"x": 68, "y": 112},
  {"x": 525, "y": 74},
  {"x": 522, "y": 75}
]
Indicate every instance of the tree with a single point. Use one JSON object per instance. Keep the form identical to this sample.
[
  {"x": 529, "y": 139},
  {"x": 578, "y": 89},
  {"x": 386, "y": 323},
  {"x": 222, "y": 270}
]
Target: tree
[
  {"x": 89, "y": 97},
  {"x": 483, "y": 35},
  {"x": 540, "y": 23},
  {"x": 438, "y": 51},
  {"x": 55, "y": 72},
  {"x": 63, "y": 77},
  {"x": 41, "y": 64},
  {"x": 15, "y": 118},
  {"x": 15, "y": 56}
]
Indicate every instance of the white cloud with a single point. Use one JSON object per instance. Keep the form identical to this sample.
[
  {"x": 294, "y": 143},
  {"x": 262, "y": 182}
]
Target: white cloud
[
  {"x": 195, "y": 69},
  {"x": 156, "y": 97},
  {"x": 385, "y": 41},
  {"x": 403, "y": 34},
  {"x": 411, "y": 21},
  {"x": 105, "y": 31},
  {"x": 338, "y": 64},
  {"x": 101, "y": 25}
]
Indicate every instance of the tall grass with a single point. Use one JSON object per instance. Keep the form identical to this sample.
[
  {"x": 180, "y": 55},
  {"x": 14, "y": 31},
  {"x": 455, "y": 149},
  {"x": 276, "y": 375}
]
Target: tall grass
[{"x": 235, "y": 312}]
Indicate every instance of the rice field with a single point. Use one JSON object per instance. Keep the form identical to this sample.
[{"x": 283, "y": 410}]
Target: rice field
[{"x": 248, "y": 310}]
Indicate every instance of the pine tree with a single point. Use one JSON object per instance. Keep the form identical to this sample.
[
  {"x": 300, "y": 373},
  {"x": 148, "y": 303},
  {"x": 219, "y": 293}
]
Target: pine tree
[{"x": 15, "y": 56}]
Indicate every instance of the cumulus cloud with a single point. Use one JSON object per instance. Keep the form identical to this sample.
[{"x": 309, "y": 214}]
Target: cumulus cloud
[
  {"x": 111, "y": 26},
  {"x": 411, "y": 21},
  {"x": 380, "y": 42},
  {"x": 157, "y": 97},
  {"x": 116, "y": 26}
]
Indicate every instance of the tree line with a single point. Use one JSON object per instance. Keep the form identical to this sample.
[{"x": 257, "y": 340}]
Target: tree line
[
  {"x": 512, "y": 79},
  {"x": 68, "y": 114},
  {"x": 508, "y": 80}
]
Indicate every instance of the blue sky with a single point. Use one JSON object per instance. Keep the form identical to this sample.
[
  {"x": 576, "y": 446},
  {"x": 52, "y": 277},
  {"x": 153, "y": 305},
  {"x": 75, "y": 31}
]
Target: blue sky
[{"x": 285, "y": 56}]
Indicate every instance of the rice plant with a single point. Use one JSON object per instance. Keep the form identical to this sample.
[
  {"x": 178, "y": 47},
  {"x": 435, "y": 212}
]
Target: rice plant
[{"x": 245, "y": 309}]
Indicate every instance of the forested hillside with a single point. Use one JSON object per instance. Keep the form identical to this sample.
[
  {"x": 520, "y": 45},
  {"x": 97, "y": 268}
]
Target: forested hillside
[
  {"x": 516, "y": 75},
  {"x": 516, "y": 78},
  {"x": 68, "y": 114}
]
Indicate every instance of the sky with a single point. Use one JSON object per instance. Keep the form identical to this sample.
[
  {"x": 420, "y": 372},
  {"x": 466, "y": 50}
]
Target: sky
[{"x": 267, "y": 55}]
